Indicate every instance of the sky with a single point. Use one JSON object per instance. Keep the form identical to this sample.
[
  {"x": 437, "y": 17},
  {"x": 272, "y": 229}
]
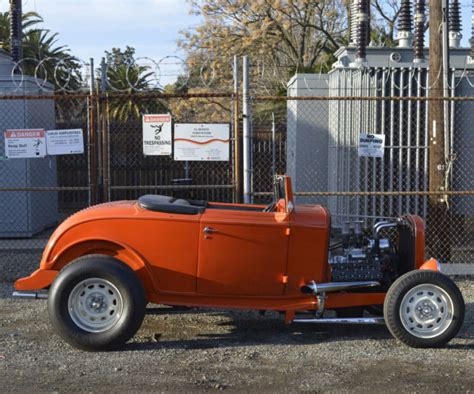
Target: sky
[{"x": 89, "y": 27}]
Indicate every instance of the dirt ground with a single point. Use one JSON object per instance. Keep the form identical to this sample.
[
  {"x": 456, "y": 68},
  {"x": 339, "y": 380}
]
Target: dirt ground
[{"x": 222, "y": 350}]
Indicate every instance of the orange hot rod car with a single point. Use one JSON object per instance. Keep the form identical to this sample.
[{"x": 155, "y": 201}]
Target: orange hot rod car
[{"x": 104, "y": 264}]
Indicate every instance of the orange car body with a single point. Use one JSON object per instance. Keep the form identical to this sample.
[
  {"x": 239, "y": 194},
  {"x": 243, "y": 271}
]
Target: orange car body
[{"x": 250, "y": 260}]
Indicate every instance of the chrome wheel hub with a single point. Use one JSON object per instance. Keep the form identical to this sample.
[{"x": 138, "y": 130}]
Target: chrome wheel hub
[
  {"x": 426, "y": 311},
  {"x": 95, "y": 305}
]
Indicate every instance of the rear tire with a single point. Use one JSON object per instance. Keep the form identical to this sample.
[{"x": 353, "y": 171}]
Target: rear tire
[
  {"x": 424, "y": 309},
  {"x": 96, "y": 303}
]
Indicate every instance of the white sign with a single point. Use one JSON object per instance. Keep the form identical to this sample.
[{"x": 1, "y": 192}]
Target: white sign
[
  {"x": 201, "y": 142},
  {"x": 65, "y": 142},
  {"x": 371, "y": 145},
  {"x": 25, "y": 144},
  {"x": 157, "y": 135}
]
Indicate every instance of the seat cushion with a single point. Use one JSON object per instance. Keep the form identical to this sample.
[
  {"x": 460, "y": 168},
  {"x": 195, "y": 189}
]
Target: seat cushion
[{"x": 168, "y": 204}]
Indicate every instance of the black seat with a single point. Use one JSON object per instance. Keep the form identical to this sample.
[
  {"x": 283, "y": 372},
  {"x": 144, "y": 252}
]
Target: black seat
[{"x": 168, "y": 204}]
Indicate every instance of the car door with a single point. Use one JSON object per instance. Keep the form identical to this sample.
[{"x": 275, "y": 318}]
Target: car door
[{"x": 242, "y": 252}]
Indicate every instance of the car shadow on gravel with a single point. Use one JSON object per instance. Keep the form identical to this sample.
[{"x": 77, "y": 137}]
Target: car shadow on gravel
[
  {"x": 252, "y": 329},
  {"x": 257, "y": 330}
]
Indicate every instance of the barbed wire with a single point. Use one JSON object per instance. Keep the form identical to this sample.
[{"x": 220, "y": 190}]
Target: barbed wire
[{"x": 73, "y": 75}]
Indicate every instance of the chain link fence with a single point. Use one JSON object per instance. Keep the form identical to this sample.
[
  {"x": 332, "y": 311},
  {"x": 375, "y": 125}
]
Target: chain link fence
[
  {"x": 313, "y": 139},
  {"x": 38, "y": 193},
  {"x": 316, "y": 141},
  {"x": 129, "y": 174}
]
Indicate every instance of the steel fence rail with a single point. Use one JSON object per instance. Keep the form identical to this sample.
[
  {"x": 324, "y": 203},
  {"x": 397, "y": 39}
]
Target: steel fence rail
[
  {"x": 352, "y": 194},
  {"x": 313, "y": 138},
  {"x": 44, "y": 189},
  {"x": 171, "y": 187},
  {"x": 358, "y": 98}
]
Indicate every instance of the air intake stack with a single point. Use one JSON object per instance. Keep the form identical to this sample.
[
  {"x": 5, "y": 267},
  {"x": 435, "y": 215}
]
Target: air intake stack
[
  {"x": 405, "y": 25},
  {"x": 455, "y": 25}
]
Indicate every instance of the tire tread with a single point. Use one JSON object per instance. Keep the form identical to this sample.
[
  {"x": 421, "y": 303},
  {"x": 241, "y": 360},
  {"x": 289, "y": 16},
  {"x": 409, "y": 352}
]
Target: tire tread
[
  {"x": 395, "y": 295},
  {"x": 108, "y": 267}
]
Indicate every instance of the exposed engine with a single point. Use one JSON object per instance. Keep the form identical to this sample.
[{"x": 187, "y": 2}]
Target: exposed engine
[{"x": 359, "y": 257}]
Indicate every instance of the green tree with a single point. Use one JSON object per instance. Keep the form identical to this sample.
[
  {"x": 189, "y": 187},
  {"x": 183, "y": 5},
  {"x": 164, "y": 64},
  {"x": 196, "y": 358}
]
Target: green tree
[
  {"x": 124, "y": 75},
  {"x": 45, "y": 59},
  {"x": 281, "y": 37},
  {"x": 42, "y": 55},
  {"x": 29, "y": 20}
]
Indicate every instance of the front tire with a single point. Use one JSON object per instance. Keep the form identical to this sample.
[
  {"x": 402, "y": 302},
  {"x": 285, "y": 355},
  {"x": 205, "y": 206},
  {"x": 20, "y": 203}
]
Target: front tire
[
  {"x": 424, "y": 309},
  {"x": 96, "y": 303}
]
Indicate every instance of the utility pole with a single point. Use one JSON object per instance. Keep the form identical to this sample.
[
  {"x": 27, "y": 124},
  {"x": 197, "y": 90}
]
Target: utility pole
[{"x": 438, "y": 240}]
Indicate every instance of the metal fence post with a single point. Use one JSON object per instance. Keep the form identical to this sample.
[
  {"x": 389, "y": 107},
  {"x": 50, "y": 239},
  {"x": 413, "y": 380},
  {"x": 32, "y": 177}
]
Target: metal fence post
[
  {"x": 104, "y": 108},
  {"x": 104, "y": 129},
  {"x": 246, "y": 133},
  {"x": 237, "y": 145},
  {"x": 92, "y": 151},
  {"x": 274, "y": 170}
]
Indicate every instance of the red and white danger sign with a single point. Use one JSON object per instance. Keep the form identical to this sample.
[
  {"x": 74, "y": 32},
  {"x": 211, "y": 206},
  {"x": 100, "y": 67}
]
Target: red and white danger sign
[
  {"x": 157, "y": 135},
  {"x": 25, "y": 144}
]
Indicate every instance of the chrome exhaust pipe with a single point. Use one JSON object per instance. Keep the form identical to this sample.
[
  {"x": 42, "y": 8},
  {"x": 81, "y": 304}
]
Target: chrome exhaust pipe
[
  {"x": 31, "y": 295},
  {"x": 352, "y": 320},
  {"x": 331, "y": 287}
]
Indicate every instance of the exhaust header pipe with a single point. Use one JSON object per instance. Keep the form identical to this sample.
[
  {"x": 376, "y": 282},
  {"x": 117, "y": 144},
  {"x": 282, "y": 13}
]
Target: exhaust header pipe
[
  {"x": 331, "y": 287},
  {"x": 351, "y": 320},
  {"x": 31, "y": 295}
]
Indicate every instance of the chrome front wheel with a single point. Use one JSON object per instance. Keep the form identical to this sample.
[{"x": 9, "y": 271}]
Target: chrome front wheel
[{"x": 426, "y": 311}]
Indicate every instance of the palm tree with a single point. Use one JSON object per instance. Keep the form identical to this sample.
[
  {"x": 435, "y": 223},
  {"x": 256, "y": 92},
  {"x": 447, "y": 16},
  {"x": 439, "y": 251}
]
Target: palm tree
[
  {"x": 29, "y": 20},
  {"x": 126, "y": 76},
  {"x": 42, "y": 56},
  {"x": 46, "y": 60}
]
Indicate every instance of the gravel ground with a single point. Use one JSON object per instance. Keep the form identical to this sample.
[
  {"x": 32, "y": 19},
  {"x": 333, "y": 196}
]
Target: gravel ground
[{"x": 224, "y": 350}]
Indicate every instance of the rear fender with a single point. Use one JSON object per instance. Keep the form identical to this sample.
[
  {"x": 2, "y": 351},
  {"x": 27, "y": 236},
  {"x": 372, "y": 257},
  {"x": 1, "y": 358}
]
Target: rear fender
[{"x": 119, "y": 251}]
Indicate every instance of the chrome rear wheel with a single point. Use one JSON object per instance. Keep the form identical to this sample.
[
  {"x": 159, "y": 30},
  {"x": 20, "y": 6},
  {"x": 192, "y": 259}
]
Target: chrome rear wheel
[{"x": 95, "y": 305}]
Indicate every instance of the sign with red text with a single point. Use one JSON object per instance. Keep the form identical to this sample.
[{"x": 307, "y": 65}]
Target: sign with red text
[
  {"x": 25, "y": 143},
  {"x": 201, "y": 142},
  {"x": 157, "y": 135}
]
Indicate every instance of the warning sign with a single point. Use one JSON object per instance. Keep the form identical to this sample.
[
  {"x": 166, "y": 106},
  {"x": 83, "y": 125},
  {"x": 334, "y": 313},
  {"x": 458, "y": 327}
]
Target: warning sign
[
  {"x": 201, "y": 142},
  {"x": 157, "y": 135},
  {"x": 65, "y": 142},
  {"x": 25, "y": 144},
  {"x": 371, "y": 145}
]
